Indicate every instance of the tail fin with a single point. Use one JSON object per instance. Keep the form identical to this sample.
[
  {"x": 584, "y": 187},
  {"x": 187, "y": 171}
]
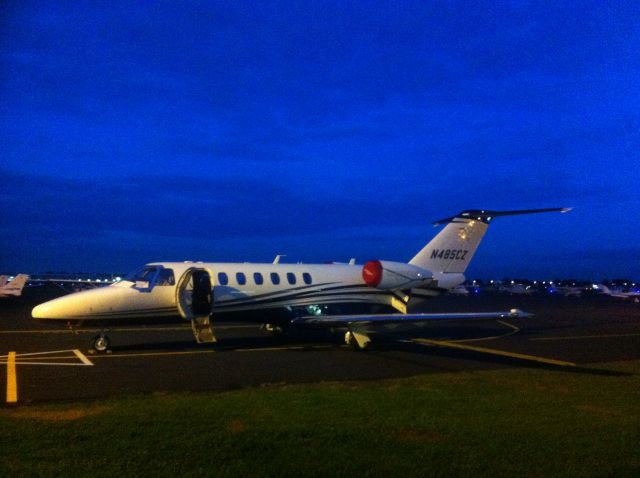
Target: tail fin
[
  {"x": 453, "y": 248},
  {"x": 16, "y": 285},
  {"x": 3, "y": 280}
]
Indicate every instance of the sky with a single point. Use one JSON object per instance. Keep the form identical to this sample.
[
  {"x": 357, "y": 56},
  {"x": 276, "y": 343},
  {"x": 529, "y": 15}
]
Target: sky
[{"x": 133, "y": 132}]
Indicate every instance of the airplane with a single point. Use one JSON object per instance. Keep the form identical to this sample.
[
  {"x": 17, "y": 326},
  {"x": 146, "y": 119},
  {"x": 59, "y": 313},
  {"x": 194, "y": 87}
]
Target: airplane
[
  {"x": 14, "y": 287},
  {"x": 516, "y": 289},
  {"x": 353, "y": 298},
  {"x": 458, "y": 290},
  {"x": 618, "y": 294}
]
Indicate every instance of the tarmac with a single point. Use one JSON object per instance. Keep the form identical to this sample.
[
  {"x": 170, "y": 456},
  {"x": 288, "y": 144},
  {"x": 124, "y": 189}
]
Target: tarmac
[{"x": 42, "y": 362}]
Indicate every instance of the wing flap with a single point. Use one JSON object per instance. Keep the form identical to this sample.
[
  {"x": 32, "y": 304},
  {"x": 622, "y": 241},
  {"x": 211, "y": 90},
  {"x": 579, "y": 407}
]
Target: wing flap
[{"x": 381, "y": 319}]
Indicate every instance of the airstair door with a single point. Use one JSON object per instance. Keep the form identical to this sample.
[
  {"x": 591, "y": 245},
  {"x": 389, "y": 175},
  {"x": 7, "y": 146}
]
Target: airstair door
[{"x": 194, "y": 297}]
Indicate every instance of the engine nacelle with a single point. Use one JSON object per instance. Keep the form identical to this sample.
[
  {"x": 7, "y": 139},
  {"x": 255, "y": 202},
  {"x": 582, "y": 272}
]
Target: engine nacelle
[{"x": 394, "y": 275}]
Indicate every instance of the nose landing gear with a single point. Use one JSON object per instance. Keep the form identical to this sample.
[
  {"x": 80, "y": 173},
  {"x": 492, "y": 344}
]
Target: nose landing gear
[{"x": 100, "y": 343}]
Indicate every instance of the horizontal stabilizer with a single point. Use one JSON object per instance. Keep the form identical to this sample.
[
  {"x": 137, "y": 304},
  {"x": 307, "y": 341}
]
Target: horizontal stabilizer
[
  {"x": 381, "y": 319},
  {"x": 486, "y": 216}
]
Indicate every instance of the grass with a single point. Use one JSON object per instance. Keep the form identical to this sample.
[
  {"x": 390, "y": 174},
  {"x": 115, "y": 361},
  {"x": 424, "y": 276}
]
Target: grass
[{"x": 512, "y": 422}]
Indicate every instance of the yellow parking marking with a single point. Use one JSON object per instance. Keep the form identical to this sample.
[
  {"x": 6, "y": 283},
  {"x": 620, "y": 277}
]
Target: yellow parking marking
[
  {"x": 52, "y": 358},
  {"x": 514, "y": 330},
  {"x": 83, "y": 358},
  {"x": 12, "y": 383},
  {"x": 198, "y": 352},
  {"x": 153, "y": 354},
  {"x": 52, "y": 364},
  {"x": 502, "y": 353},
  {"x": 33, "y": 354},
  {"x": 581, "y": 337}
]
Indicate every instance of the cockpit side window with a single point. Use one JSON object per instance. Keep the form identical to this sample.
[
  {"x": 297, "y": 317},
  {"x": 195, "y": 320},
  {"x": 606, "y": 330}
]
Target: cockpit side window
[{"x": 165, "y": 277}]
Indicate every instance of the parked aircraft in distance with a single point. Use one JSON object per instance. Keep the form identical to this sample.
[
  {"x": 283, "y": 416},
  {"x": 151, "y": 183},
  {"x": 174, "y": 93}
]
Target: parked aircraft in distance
[
  {"x": 349, "y": 297},
  {"x": 618, "y": 294},
  {"x": 14, "y": 287},
  {"x": 516, "y": 289},
  {"x": 458, "y": 290}
]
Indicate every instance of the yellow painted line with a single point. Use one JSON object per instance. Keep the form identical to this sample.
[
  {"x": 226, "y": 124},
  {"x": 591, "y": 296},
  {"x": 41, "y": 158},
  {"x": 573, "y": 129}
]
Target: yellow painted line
[
  {"x": 197, "y": 352},
  {"x": 581, "y": 337},
  {"x": 502, "y": 353},
  {"x": 53, "y": 364},
  {"x": 514, "y": 330},
  {"x": 153, "y": 354},
  {"x": 32, "y": 354},
  {"x": 12, "y": 383},
  {"x": 83, "y": 358},
  {"x": 31, "y": 359}
]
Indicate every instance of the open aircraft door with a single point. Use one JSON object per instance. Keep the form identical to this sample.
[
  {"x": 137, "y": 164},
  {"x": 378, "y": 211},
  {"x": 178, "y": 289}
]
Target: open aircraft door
[{"x": 194, "y": 297}]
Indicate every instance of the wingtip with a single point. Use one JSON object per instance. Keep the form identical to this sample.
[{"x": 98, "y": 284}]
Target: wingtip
[{"x": 566, "y": 209}]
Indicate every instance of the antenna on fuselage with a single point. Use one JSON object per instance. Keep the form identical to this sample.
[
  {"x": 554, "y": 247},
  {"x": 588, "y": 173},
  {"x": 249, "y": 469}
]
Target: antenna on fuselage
[{"x": 278, "y": 257}]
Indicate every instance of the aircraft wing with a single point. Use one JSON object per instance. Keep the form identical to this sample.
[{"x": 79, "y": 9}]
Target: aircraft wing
[{"x": 381, "y": 319}]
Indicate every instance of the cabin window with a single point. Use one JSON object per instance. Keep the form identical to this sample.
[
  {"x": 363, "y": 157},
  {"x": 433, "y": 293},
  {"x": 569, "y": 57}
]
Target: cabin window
[
  {"x": 241, "y": 278},
  {"x": 275, "y": 278},
  {"x": 223, "y": 278},
  {"x": 306, "y": 277},
  {"x": 257, "y": 278},
  {"x": 165, "y": 277},
  {"x": 291, "y": 278}
]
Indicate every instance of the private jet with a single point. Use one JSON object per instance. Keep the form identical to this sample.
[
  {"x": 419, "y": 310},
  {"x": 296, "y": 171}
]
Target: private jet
[
  {"x": 13, "y": 288},
  {"x": 357, "y": 300},
  {"x": 632, "y": 295}
]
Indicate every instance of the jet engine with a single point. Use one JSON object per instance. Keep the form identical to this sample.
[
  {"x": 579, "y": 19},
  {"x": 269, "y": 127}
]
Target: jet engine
[{"x": 394, "y": 275}]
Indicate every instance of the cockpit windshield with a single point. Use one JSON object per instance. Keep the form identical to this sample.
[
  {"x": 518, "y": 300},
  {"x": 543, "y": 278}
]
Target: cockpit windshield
[
  {"x": 146, "y": 274},
  {"x": 151, "y": 276}
]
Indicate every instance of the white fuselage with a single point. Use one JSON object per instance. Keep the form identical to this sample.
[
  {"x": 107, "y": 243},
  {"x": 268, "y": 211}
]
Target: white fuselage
[{"x": 236, "y": 287}]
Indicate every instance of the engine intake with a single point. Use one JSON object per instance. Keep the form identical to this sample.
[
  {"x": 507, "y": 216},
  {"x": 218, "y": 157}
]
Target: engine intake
[{"x": 394, "y": 275}]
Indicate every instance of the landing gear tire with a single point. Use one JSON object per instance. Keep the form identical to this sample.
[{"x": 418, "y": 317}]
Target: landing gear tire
[
  {"x": 100, "y": 343},
  {"x": 350, "y": 339},
  {"x": 275, "y": 330}
]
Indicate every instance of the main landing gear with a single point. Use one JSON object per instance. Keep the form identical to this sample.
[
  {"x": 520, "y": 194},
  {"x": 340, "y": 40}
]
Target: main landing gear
[
  {"x": 357, "y": 340},
  {"x": 273, "y": 329}
]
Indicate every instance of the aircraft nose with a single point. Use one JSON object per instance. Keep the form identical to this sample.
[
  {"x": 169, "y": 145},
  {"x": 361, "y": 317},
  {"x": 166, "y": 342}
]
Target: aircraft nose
[
  {"x": 55, "y": 309},
  {"x": 75, "y": 306}
]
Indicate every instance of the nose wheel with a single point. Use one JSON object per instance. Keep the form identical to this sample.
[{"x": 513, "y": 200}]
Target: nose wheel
[{"x": 101, "y": 343}]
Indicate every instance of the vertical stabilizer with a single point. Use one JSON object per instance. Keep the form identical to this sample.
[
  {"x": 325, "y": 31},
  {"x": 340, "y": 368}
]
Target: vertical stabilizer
[
  {"x": 453, "y": 248},
  {"x": 15, "y": 286}
]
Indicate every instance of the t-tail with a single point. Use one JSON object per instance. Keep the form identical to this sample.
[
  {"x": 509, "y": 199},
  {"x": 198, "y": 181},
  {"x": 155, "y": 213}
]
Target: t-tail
[
  {"x": 15, "y": 286},
  {"x": 453, "y": 248}
]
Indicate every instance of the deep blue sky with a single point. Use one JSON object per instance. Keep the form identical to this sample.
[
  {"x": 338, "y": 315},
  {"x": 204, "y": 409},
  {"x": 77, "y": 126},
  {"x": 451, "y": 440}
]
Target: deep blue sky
[{"x": 142, "y": 131}]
